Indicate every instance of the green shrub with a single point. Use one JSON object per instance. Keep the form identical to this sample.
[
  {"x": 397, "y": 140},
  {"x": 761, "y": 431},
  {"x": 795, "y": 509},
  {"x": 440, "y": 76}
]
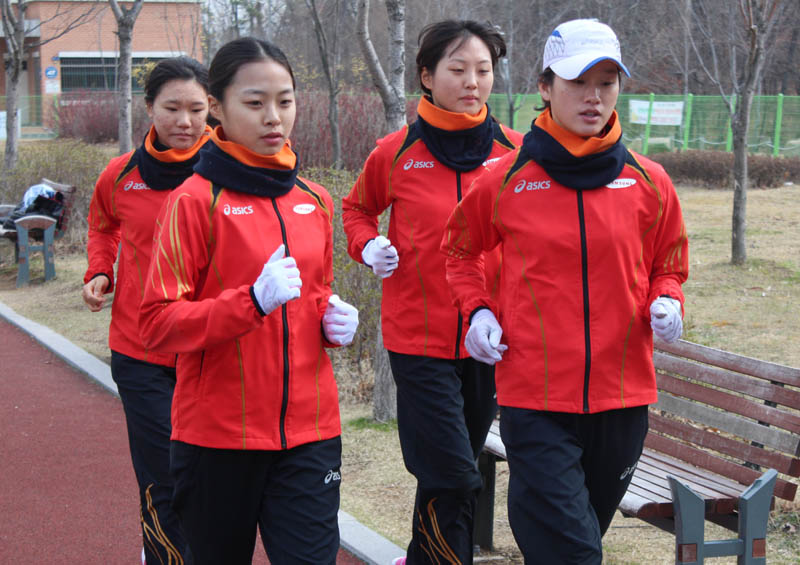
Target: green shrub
[
  {"x": 355, "y": 284},
  {"x": 714, "y": 169}
]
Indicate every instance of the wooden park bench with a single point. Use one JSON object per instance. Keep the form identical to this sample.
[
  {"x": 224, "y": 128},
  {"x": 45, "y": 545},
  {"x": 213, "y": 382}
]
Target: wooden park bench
[
  {"x": 724, "y": 441},
  {"x": 34, "y": 228}
]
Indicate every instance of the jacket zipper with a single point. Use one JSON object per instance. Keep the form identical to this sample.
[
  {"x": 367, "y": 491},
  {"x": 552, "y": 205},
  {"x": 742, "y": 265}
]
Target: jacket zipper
[
  {"x": 285, "y": 320},
  {"x": 460, "y": 317},
  {"x": 585, "y": 276}
]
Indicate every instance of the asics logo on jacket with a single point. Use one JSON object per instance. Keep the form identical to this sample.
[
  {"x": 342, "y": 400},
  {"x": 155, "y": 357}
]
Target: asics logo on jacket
[
  {"x": 131, "y": 185},
  {"x": 412, "y": 164},
  {"x": 237, "y": 210},
  {"x": 531, "y": 185}
]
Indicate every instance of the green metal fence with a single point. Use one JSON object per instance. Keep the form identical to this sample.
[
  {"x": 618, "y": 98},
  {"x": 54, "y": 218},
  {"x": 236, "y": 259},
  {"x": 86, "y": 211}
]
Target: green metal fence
[
  {"x": 650, "y": 123},
  {"x": 654, "y": 123}
]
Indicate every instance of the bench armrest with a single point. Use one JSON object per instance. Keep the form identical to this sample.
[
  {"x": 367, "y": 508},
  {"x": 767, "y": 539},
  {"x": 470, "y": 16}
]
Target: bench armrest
[{"x": 35, "y": 222}]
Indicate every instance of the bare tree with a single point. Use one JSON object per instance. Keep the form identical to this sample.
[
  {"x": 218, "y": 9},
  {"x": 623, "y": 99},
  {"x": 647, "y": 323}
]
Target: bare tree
[
  {"x": 392, "y": 87},
  {"x": 392, "y": 92},
  {"x": 329, "y": 54},
  {"x": 733, "y": 60},
  {"x": 15, "y": 29},
  {"x": 126, "y": 19}
]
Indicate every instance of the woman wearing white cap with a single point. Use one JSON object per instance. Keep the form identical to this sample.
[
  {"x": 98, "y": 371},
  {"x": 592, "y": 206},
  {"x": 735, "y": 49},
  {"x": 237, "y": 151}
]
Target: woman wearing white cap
[{"x": 594, "y": 255}]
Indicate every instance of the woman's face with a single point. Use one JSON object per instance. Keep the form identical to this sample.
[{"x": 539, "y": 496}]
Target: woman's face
[
  {"x": 259, "y": 107},
  {"x": 179, "y": 113},
  {"x": 462, "y": 79},
  {"x": 584, "y": 105}
]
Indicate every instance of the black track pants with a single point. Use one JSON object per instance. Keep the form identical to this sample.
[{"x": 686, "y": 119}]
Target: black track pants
[
  {"x": 444, "y": 410},
  {"x": 146, "y": 393},
  {"x": 568, "y": 473}
]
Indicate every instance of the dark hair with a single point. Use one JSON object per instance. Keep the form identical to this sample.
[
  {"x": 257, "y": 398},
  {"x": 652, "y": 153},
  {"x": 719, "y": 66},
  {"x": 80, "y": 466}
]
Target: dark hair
[
  {"x": 545, "y": 77},
  {"x": 436, "y": 37},
  {"x": 239, "y": 52},
  {"x": 175, "y": 68}
]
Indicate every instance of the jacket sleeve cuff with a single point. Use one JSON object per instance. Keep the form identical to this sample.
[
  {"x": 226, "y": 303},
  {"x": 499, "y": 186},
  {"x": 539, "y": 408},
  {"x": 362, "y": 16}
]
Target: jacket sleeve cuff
[
  {"x": 110, "y": 287},
  {"x": 255, "y": 302}
]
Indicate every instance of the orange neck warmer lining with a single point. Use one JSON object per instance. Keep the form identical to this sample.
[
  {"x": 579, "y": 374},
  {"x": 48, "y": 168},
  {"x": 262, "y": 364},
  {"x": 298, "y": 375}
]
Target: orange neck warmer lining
[
  {"x": 173, "y": 155},
  {"x": 449, "y": 121},
  {"x": 577, "y": 145},
  {"x": 285, "y": 159}
]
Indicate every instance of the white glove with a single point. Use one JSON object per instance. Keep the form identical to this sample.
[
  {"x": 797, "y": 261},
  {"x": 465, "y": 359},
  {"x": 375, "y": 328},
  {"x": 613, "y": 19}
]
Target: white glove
[
  {"x": 279, "y": 281},
  {"x": 665, "y": 318},
  {"x": 380, "y": 254},
  {"x": 483, "y": 338},
  {"x": 340, "y": 321}
]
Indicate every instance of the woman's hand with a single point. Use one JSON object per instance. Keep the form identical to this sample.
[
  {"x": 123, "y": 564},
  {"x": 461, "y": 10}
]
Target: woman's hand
[{"x": 93, "y": 293}]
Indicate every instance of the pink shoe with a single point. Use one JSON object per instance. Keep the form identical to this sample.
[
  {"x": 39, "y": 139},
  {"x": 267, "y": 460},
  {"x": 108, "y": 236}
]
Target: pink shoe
[{"x": 399, "y": 561}]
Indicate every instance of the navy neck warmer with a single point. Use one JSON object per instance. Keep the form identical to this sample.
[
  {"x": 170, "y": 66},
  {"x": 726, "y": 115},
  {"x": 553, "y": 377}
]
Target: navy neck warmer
[
  {"x": 228, "y": 172},
  {"x": 461, "y": 150},
  {"x": 579, "y": 173},
  {"x": 161, "y": 175}
]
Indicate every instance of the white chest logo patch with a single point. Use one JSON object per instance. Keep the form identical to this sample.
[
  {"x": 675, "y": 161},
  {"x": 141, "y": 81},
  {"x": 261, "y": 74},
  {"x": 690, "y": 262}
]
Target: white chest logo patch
[
  {"x": 304, "y": 208},
  {"x": 621, "y": 183}
]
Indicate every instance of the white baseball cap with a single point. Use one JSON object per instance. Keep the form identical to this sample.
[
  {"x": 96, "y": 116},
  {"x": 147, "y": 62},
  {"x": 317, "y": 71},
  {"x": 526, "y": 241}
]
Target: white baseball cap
[{"x": 577, "y": 45}]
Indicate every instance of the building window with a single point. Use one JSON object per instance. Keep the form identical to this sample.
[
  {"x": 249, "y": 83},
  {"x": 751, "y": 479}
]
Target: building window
[{"x": 96, "y": 73}]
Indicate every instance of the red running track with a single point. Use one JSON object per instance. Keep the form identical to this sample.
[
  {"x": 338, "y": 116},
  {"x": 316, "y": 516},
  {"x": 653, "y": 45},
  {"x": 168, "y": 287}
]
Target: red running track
[{"x": 67, "y": 489}]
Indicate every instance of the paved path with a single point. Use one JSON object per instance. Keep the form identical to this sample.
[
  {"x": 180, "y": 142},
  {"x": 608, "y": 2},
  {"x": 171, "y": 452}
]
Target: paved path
[{"x": 67, "y": 490}]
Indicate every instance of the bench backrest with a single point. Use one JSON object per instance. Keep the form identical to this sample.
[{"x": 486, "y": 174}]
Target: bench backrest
[
  {"x": 68, "y": 193},
  {"x": 734, "y": 415}
]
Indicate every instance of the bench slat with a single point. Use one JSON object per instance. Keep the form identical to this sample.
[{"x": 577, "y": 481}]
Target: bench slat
[
  {"x": 739, "y": 363},
  {"x": 761, "y": 389},
  {"x": 658, "y": 507},
  {"x": 733, "y": 403},
  {"x": 705, "y": 460},
  {"x": 704, "y": 485},
  {"x": 690, "y": 471},
  {"x": 737, "y": 449},
  {"x": 638, "y": 506},
  {"x": 777, "y": 439},
  {"x": 730, "y": 402},
  {"x": 493, "y": 442}
]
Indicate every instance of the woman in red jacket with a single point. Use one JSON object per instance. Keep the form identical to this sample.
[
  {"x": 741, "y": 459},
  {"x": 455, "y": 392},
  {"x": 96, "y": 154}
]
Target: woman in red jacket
[
  {"x": 240, "y": 288},
  {"x": 445, "y": 399},
  {"x": 594, "y": 253},
  {"x": 122, "y": 217}
]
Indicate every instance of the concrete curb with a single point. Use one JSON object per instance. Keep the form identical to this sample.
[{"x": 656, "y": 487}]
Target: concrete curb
[{"x": 356, "y": 538}]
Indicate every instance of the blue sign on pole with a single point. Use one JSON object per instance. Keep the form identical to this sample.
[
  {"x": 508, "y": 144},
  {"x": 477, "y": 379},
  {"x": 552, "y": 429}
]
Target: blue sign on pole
[{"x": 51, "y": 72}]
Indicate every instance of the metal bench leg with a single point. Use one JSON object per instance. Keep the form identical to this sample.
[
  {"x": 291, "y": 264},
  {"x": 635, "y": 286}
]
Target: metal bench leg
[
  {"x": 483, "y": 524},
  {"x": 753, "y": 516},
  {"x": 751, "y": 545},
  {"x": 689, "y": 523},
  {"x": 48, "y": 253},
  {"x": 23, "y": 259}
]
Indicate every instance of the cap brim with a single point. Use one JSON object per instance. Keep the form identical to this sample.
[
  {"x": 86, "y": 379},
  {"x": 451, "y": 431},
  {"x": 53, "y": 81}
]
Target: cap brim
[{"x": 573, "y": 67}]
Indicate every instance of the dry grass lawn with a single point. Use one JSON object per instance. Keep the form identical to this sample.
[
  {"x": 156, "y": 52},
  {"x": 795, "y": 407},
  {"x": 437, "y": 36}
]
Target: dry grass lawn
[{"x": 753, "y": 310}]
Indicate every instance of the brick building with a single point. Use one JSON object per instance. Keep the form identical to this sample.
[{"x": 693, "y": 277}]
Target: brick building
[{"x": 85, "y": 58}]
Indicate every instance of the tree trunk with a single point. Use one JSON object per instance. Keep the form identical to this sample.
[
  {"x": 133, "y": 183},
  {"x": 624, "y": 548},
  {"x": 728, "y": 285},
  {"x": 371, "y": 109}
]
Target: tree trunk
[
  {"x": 333, "y": 120},
  {"x": 391, "y": 89},
  {"x": 14, "y": 31},
  {"x": 739, "y": 125},
  {"x": 396, "y": 109},
  {"x": 384, "y": 395},
  {"x": 125, "y": 33},
  {"x": 12, "y": 104}
]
